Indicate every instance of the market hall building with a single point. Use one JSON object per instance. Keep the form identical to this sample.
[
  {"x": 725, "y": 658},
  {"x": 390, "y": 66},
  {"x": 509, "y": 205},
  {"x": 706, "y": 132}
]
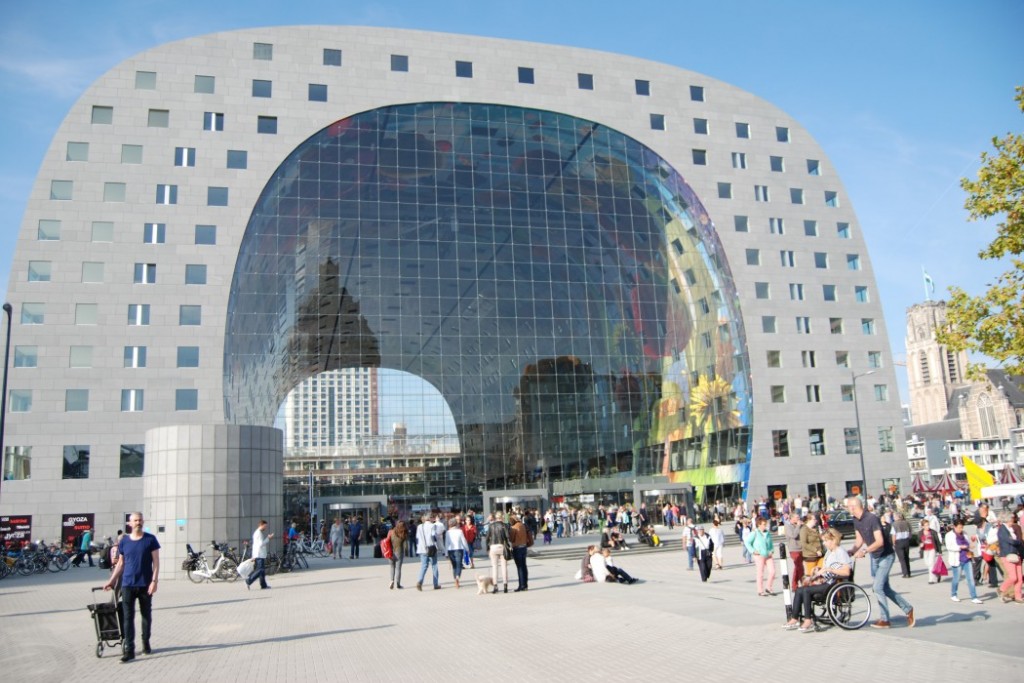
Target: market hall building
[{"x": 621, "y": 276}]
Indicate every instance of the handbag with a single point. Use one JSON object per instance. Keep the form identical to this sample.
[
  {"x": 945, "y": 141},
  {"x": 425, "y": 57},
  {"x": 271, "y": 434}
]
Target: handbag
[
  {"x": 1012, "y": 558},
  {"x": 432, "y": 551},
  {"x": 246, "y": 569},
  {"x": 508, "y": 551},
  {"x": 939, "y": 568},
  {"x": 386, "y": 548}
]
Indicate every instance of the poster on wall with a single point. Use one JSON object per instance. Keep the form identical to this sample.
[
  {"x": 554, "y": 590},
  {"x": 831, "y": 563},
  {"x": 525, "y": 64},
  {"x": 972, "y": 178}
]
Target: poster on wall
[
  {"x": 73, "y": 524},
  {"x": 16, "y": 529}
]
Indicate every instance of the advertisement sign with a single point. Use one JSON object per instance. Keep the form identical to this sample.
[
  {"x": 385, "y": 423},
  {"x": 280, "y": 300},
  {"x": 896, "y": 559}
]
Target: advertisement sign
[
  {"x": 16, "y": 529},
  {"x": 73, "y": 524}
]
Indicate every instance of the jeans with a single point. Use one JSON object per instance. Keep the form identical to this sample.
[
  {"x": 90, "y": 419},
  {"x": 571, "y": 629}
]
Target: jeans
[
  {"x": 396, "y": 569},
  {"x": 353, "y": 553},
  {"x": 519, "y": 557},
  {"x": 455, "y": 556},
  {"x": 129, "y": 594},
  {"x": 880, "y": 568},
  {"x": 691, "y": 552},
  {"x": 337, "y": 544},
  {"x": 426, "y": 560},
  {"x": 260, "y": 572},
  {"x": 966, "y": 569}
]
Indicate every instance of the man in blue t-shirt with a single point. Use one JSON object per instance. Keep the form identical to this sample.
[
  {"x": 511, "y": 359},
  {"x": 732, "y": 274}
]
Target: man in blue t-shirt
[{"x": 138, "y": 566}]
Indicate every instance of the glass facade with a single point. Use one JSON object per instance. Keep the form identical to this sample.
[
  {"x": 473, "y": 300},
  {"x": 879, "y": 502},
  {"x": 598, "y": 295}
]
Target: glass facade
[{"x": 558, "y": 282}]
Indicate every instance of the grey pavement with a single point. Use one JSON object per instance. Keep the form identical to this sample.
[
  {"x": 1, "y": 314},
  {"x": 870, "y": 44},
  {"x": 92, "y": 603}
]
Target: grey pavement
[{"x": 338, "y": 621}]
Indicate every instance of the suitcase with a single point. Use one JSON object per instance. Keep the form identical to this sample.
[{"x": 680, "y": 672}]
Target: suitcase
[{"x": 106, "y": 616}]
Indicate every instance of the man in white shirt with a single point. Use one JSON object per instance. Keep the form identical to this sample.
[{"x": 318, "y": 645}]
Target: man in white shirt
[
  {"x": 260, "y": 542},
  {"x": 688, "y": 534}
]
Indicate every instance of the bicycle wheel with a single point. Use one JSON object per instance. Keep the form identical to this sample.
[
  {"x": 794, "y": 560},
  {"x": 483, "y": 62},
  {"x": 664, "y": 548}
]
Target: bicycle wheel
[
  {"x": 62, "y": 562},
  {"x": 319, "y": 550},
  {"x": 848, "y": 606},
  {"x": 272, "y": 564},
  {"x": 228, "y": 570},
  {"x": 193, "y": 574},
  {"x": 23, "y": 566},
  {"x": 303, "y": 563}
]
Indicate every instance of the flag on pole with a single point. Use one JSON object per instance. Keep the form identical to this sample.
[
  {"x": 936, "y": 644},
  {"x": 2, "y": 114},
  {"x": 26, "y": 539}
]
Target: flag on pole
[
  {"x": 929, "y": 285},
  {"x": 977, "y": 477}
]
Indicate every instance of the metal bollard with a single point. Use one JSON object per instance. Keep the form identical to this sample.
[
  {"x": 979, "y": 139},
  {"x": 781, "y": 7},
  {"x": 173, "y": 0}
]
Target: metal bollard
[{"x": 787, "y": 593}]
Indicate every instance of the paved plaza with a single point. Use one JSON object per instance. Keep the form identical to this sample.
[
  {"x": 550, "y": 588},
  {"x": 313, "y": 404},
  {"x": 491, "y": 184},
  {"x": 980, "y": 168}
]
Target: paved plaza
[{"x": 337, "y": 621}]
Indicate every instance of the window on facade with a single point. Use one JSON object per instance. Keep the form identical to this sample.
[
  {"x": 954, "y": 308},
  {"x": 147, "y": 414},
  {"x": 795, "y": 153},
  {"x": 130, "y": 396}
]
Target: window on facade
[
  {"x": 133, "y": 458},
  {"x": 761, "y": 193},
  {"x": 831, "y": 198},
  {"x": 700, "y": 157},
  {"x": 796, "y": 195},
  {"x": 796, "y": 291},
  {"x": 186, "y": 399},
  {"x": 332, "y": 57},
  {"x": 263, "y": 51},
  {"x": 853, "y": 262},
  {"x": 166, "y": 194},
  {"x": 76, "y": 462},
  {"x": 26, "y": 356},
  {"x": 154, "y": 233},
  {"x": 138, "y": 314},
  {"x": 808, "y": 359},
  {"x": 213, "y": 121},
  {"x": 145, "y": 274},
  {"x": 131, "y": 154},
  {"x": 237, "y": 158},
  {"x": 77, "y": 151},
  {"x": 803, "y": 324},
  {"x": 76, "y": 400},
  {"x": 781, "y": 134},
  {"x": 526, "y": 75},
  {"x": 813, "y": 167},
  {"x": 774, "y": 359},
  {"x": 843, "y": 231},
  {"x": 851, "y": 437},
  {"x": 657, "y": 122},
  {"x": 131, "y": 400},
  {"x": 317, "y": 92},
  {"x": 776, "y": 226},
  {"x": 700, "y": 126},
  {"x": 158, "y": 118},
  {"x": 585, "y": 81},
  {"x": 188, "y": 356},
  {"x": 262, "y": 88},
  {"x": 816, "y": 440},
  {"x": 195, "y": 274},
  {"x": 135, "y": 356},
  {"x": 206, "y": 234},
  {"x": 189, "y": 314},
  {"x": 743, "y": 130},
  {"x": 828, "y": 292},
  {"x": 867, "y": 325},
  {"x": 778, "y": 393},
  {"x": 787, "y": 258},
  {"x": 399, "y": 62},
  {"x": 204, "y": 85},
  {"x": 62, "y": 190},
  {"x": 846, "y": 392},
  {"x": 780, "y": 443},
  {"x": 761, "y": 290},
  {"x": 810, "y": 228},
  {"x": 463, "y": 69},
  {"x": 768, "y": 324},
  {"x": 185, "y": 156},
  {"x": 835, "y": 325},
  {"x": 886, "y": 442},
  {"x": 741, "y": 223},
  {"x": 843, "y": 359},
  {"x": 696, "y": 93},
  {"x": 643, "y": 87},
  {"x": 21, "y": 400},
  {"x": 266, "y": 125},
  {"x": 860, "y": 294},
  {"x": 114, "y": 192},
  {"x": 48, "y": 230},
  {"x": 874, "y": 359},
  {"x": 80, "y": 357},
  {"x": 725, "y": 190},
  {"x": 813, "y": 392},
  {"x": 753, "y": 257},
  {"x": 33, "y": 314},
  {"x": 145, "y": 80},
  {"x": 102, "y": 115},
  {"x": 881, "y": 392},
  {"x": 739, "y": 159},
  {"x": 38, "y": 271},
  {"x": 216, "y": 196},
  {"x": 86, "y": 314}
]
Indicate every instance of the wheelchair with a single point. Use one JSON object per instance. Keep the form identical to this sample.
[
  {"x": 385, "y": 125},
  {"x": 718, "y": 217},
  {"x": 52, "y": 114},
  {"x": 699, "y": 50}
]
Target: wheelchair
[{"x": 845, "y": 605}]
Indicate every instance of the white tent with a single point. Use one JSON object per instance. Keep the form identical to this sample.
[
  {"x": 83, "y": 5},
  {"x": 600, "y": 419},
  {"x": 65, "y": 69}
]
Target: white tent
[{"x": 1003, "y": 491}]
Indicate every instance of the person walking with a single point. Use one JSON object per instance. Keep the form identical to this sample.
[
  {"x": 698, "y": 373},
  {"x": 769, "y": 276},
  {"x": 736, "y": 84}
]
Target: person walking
[
  {"x": 469, "y": 530},
  {"x": 704, "y": 548},
  {"x": 398, "y": 535},
  {"x": 688, "y": 534},
  {"x": 1011, "y": 550},
  {"x": 337, "y": 539},
  {"x": 84, "y": 548},
  {"x": 355, "y": 537},
  {"x": 761, "y": 546},
  {"x": 901, "y": 543},
  {"x": 260, "y": 543},
  {"x": 872, "y": 541},
  {"x": 958, "y": 547},
  {"x": 928, "y": 540},
  {"x": 138, "y": 568},
  {"x": 457, "y": 547},
  {"x": 717, "y": 535},
  {"x": 497, "y": 540},
  {"x": 520, "y": 538},
  {"x": 426, "y": 548}
]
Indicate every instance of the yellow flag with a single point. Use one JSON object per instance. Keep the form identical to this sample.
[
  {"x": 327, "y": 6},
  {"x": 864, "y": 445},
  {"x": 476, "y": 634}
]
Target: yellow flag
[{"x": 978, "y": 477}]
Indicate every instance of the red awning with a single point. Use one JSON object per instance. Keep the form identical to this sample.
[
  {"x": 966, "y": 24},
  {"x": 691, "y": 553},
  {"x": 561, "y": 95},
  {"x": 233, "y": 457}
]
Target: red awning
[
  {"x": 1009, "y": 475},
  {"x": 918, "y": 485}
]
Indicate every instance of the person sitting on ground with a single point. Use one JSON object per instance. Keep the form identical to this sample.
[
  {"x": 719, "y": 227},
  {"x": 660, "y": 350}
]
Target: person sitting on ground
[
  {"x": 837, "y": 565},
  {"x": 611, "y": 538},
  {"x": 586, "y": 573},
  {"x": 616, "y": 573}
]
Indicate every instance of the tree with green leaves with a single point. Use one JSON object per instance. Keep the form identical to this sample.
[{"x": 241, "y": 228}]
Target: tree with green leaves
[{"x": 992, "y": 323}]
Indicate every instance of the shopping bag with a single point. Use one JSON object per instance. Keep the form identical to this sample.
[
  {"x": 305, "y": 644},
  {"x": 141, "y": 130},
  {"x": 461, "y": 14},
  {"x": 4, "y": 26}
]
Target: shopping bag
[
  {"x": 939, "y": 568},
  {"x": 246, "y": 569},
  {"x": 386, "y": 548}
]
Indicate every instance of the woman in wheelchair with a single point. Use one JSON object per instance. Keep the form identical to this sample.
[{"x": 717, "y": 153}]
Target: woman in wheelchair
[{"x": 837, "y": 566}]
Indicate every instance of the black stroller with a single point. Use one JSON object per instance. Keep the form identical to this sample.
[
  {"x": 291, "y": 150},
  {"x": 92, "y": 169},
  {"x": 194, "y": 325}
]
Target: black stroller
[{"x": 107, "y": 618}]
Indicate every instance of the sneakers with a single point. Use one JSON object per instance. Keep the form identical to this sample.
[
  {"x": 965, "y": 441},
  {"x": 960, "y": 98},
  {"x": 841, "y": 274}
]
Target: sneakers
[
  {"x": 791, "y": 626},
  {"x": 910, "y": 618},
  {"x": 977, "y": 601},
  {"x": 954, "y": 598},
  {"x": 880, "y": 624}
]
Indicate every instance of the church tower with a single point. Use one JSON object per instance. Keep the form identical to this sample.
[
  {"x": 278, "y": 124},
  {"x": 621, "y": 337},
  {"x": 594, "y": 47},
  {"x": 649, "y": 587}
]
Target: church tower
[{"x": 933, "y": 371}]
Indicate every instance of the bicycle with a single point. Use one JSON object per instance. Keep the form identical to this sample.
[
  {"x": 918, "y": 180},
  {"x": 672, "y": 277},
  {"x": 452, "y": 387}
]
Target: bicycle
[{"x": 199, "y": 569}]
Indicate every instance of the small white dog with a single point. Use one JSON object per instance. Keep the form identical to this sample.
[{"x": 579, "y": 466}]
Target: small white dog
[{"x": 484, "y": 584}]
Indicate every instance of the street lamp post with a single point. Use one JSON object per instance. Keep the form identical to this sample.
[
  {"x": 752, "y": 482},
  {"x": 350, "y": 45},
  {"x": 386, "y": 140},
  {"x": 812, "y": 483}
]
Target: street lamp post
[
  {"x": 860, "y": 437},
  {"x": 8, "y": 310}
]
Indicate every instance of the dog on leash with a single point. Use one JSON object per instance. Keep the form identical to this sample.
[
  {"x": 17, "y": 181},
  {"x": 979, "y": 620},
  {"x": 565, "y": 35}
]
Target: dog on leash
[{"x": 484, "y": 584}]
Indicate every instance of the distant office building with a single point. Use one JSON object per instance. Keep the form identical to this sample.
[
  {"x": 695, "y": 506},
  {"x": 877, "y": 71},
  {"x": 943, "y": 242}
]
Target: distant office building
[
  {"x": 611, "y": 270},
  {"x": 332, "y": 408}
]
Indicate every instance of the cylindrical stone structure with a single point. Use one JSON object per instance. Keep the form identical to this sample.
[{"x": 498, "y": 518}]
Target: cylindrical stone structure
[{"x": 210, "y": 482}]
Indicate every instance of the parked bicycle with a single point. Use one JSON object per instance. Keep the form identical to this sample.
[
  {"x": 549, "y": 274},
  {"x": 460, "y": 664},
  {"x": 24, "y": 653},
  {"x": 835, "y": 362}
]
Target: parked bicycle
[{"x": 199, "y": 570}]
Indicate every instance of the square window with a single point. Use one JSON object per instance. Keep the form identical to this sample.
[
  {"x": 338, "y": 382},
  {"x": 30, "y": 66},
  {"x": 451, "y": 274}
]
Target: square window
[
  {"x": 188, "y": 356},
  {"x": 102, "y": 231},
  {"x": 26, "y": 356},
  {"x": 753, "y": 257},
  {"x": 820, "y": 259},
  {"x": 842, "y": 359},
  {"x": 774, "y": 359},
  {"x": 114, "y": 192},
  {"x": 700, "y": 126},
  {"x": 76, "y": 462},
  {"x": 585, "y": 81},
  {"x": 811, "y": 228},
  {"x": 204, "y": 85},
  {"x": 828, "y": 292},
  {"x": 796, "y": 291},
  {"x": 796, "y": 195},
  {"x": 138, "y": 314},
  {"x": 874, "y": 359},
  {"x": 166, "y": 194},
  {"x": 216, "y": 196},
  {"x": 780, "y": 443},
  {"x": 696, "y": 93},
  {"x": 186, "y": 399},
  {"x": 102, "y": 115},
  {"x": 843, "y": 231},
  {"x": 526, "y": 75},
  {"x": 778, "y": 393},
  {"x": 762, "y": 290},
  {"x": 816, "y": 439},
  {"x": 195, "y": 274},
  {"x": 813, "y": 167},
  {"x": 238, "y": 158},
  {"x": 213, "y": 120},
  {"x": 741, "y": 223},
  {"x": 135, "y": 356},
  {"x": 131, "y": 154},
  {"x": 881, "y": 392},
  {"x": 742, "y": 130},
  {"x": 185, "y": 156},
  {"x": 86, "y": 314},
  {"x": 76, "y": 400},
  {"x": 787, "y": 258},
  {"x": 158, "y": 118},
  {"x": 781, "y": 134},
  {"x": 867, "y": 326},
  {"x": 133, "y": 459},
  {"x": 145, "y": 274},
  {"x": 776, "y": 226},
  {"x": 803, "y": 324},
  {"x": 657, "y": 122},
  {"x": 145, "y": 80},
  {"x": 92, "y": 272},
  {"x": 463, "y": 69},
  {"x": 38, "y": 271},
  {"x": 777, "y": 164},
  {"x": 835, "y": 325},
  {"x": 80, "y": 357},
  {"x": 700, "y": 157},
  {"x": 263, "y": 51},
  {"x": 61, "y": 190},
  {"x": 21, "y": 401},
  {"x": 48, "y": 230},
  {"x": 831, "y": 198},
  {"x": 761, "y": 193},
  {"x": 266, "y": 125},
  {"x": 317, "y": 92},
  {"x": 853, "y": 262},
  {"x": 131, "y": 400},
  {"x": 77, "y": 151},
  {"x": 725, "y": 190},
  {"x": 399, "y": 62},
  {"x": 768, "y": 324},
  {"x": 206, "y": 234},
  {"x": 846, "y": 393},
  {"x": 813, "y": 393},
  {"x": 332, "y": 57},
  {"x": 261, "y": 88},
  {"x": 154, "y": 233},
  {"x": 739, "y": 159},
  {"x": 643, "y": 87},
  {"x": 860, "y": 294},
  {"x": 190, "y": 315},
  {"x": 808, "y": 359}
]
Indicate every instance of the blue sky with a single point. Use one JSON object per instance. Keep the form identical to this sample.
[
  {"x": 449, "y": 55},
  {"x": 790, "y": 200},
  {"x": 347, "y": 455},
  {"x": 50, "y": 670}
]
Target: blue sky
[{"x": 902, "y": 95}]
